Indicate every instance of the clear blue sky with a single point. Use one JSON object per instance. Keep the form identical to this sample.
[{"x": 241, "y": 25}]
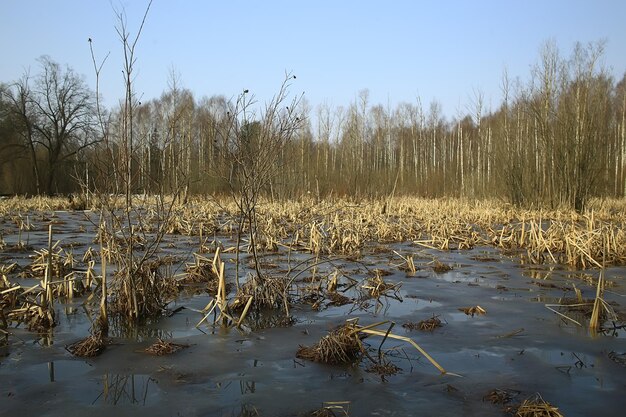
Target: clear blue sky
[{"x": 444, "y": 50}]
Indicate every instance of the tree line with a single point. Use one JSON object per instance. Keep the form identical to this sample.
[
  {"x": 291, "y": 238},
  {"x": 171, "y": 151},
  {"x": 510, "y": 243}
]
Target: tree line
[{"x": 557, "y": 138}]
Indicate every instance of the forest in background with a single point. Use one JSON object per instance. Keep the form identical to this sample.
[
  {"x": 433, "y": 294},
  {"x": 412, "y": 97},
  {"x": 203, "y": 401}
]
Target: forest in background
[{"x": 556, "y": 139}]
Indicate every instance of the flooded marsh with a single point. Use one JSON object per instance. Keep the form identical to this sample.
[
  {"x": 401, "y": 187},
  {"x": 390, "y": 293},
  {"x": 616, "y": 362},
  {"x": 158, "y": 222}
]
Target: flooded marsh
[{"x": 402, "y": 286}]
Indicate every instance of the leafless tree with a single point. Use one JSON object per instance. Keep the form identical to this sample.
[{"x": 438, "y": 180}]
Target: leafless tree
[
  {"x": 251, "y": 144},
  {"x": 55, "y": 116}
]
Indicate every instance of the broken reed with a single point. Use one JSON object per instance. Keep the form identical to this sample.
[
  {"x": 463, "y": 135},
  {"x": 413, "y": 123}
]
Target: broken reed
[{"x": 344, "y": 345}]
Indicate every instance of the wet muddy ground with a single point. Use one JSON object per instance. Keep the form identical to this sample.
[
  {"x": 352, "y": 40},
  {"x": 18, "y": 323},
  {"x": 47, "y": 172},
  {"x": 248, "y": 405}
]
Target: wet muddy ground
[{"x": 518, "y": 345}]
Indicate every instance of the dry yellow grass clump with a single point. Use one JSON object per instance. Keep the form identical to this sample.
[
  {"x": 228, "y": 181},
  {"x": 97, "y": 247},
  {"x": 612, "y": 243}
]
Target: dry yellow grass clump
[
  {"x": 161, "y": 347},
  {"x": 536, "y": 406}
]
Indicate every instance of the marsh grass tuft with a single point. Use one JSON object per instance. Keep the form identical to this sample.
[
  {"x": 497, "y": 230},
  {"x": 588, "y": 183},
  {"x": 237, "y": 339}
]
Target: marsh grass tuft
[
  {"x": 89, "y": 347},
  {"x": 501, "y": 396},
  {"x": 440, "y": 267},
  {"x": 344, "y": 345},
  {"x": 341, "y": 346},
  {"x": 536, "y": 406},
  {"x": 161, "y": 347},
  {"x": 427, "y": 325}
]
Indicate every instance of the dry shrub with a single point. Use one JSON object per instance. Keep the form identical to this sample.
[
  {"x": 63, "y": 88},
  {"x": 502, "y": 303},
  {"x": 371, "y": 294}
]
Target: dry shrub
[
  {"x": 342, "y": 346},
  {"x": 88, "y": 347},
  {"x": 536, "y": 406},
  {"x": 161, "y": 347}
]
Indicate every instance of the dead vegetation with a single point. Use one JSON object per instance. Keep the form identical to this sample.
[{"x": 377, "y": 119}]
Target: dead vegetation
[
  {"x": 376, "y": 287},
  {"x": 536, "y": 406},
  {"x": 473, "y": 310},
  {"x": 330, "y": 409},
  {"x": 344, "y": 346},
  {"x": 89, "y": 347},
  {"x": 161, "y": 347},
  {"x": 201, "y": 271},
  {"x": 440, "y": 267},
  {"x": 341, "y": 346},
  {"x": 427, "y": 325},
  {"x": 341, "y": 230},
  {"x": 501, "y": 396}
]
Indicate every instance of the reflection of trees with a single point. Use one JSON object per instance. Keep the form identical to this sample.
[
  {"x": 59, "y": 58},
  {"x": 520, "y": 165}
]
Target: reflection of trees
[
  {"x": 120, "y": 328},
  {"x": 124, "y": 389}
]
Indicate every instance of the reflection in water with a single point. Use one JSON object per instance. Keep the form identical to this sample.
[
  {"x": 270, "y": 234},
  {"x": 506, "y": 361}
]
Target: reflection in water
[
  {"x": 248, "y": 410},
  {"x": 51, "y": 371},
  {"x": 124, "y": 389},
  {"x": 120, "y": 328},
  {"x": 267, "y": 319},
  {"x": 247, "y": 387},
  {"x": 536, "y": 273},
  {"x": 46, "y": 339}
]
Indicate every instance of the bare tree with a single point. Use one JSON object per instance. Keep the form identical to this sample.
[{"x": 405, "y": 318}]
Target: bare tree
[
  {"x": 55, "y": 118},
  {"x": 252, "y": 145}
]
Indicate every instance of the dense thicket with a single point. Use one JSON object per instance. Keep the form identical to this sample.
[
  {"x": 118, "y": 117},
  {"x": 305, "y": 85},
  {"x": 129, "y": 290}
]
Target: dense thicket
[{"x": 557, "y": 138}]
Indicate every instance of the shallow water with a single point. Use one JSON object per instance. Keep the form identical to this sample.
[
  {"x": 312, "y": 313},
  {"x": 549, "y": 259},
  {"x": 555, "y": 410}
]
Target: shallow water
[{"x": 232, "y": 373}]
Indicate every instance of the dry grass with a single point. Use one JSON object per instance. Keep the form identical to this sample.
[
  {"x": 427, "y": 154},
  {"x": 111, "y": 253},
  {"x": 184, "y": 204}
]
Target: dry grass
[
  {"x": 330, "y": 409},
  {"x": 342, "y": 346},
  {"x": 61, "y": 261},
  {"x": 427, "y": 325},
  {"x": 440, "y": 267},
  {"x": 345, "y": 227},
  {"x": 341, "y": 226},
  {"x": 268, "y": 293},
  {"x": 376, "y": 287},
  {"x": 501, "y": 396},
  {"x": 383, "y": 369},
  {"x": 200, "y": 271},
  {"x": 536, "y": 406},
  {"x": 143, "y": 293},
  {"x": 88, "y": 347},
  {"x": 161, "y": 347},
  {"x": 474, "y": 310}
]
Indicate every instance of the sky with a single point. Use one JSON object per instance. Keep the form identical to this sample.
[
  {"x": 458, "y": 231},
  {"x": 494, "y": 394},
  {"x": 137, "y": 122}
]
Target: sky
[{"x": 448, "y": 51}]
